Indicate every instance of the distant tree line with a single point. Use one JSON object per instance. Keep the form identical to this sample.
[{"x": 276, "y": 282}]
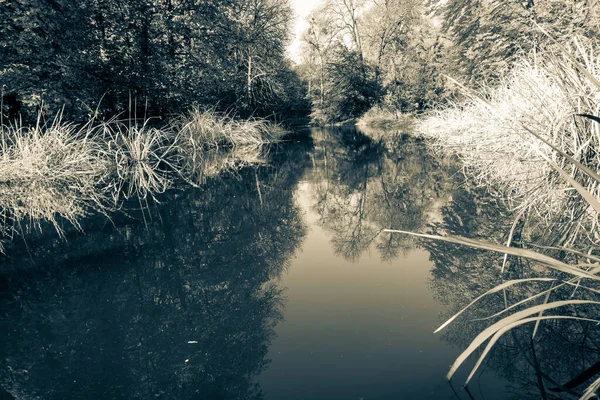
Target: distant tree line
[
  {"x": 162, "y": 55},
  {"x": 358, "y": 54}
]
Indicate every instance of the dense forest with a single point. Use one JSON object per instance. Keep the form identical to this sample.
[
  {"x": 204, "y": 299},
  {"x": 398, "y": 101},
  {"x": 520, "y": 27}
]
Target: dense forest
[
  {"x": 162, "y": 55},
  {"x": 159, "y": 57},
  {"x": 394, "y": 54}
]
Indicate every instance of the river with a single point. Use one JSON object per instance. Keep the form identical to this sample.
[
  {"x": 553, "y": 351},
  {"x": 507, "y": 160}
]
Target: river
[{"x": 272, "y": 282}]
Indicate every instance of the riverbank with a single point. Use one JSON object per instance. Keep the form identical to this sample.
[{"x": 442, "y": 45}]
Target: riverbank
[
  {"x": 57, "y": 171},
  {"x": 534, "y": 139},
  {"x": 514, "y": 137},
  {"x": 384, "y": 118},
  {"x": 377, "y": 118}
]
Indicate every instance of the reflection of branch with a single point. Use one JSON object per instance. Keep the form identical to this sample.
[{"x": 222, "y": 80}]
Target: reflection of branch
[
  {"x": 532, "y": 364},
  {"x": 579, "y": 379},
  {"x": 538, "y": 371}
]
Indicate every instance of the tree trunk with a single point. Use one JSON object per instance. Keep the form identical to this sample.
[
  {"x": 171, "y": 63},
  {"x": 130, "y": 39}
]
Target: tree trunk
[
  {"x": 249, "y": 83},
  {"x": 99, "y": 17},
  {"x": 322, "y": 81}
]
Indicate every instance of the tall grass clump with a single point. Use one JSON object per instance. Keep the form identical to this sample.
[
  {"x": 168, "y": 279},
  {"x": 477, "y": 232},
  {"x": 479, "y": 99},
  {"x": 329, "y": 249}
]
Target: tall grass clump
[
  {"x": 508, "y": 136},
  {"x": 209, "y": 142},
  {"x": 143, "y": 159},
  {"x": 57, "y": 171},
  {"x": 50, "y": 171},
  {"x": 383, "y": 118},
  {"x": 536, "y": 135}
]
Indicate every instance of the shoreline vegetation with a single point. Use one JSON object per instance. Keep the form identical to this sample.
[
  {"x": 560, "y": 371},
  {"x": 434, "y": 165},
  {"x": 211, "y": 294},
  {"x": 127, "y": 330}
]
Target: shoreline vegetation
[
  {"x": 534, "y": 138},
  {"x": 512, "y": 137},
  {"x": 384, "y": 118},
  {"x": 56, "y": 171}
]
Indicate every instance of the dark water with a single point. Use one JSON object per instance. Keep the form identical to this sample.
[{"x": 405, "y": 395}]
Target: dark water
[{"x": 275, "y": 282}]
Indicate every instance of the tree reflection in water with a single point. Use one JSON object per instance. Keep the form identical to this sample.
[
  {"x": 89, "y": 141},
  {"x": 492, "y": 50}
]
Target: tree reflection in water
[
  {"x": 362, "y": 187},
  {"x": 562, "y": 357},
  {"x": 182, "y": 303},
  {"x": 180, "y": 307}
]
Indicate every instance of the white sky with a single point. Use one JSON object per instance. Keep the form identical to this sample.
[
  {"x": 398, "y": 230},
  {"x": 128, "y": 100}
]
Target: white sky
[{"x": 302, "y": 8}]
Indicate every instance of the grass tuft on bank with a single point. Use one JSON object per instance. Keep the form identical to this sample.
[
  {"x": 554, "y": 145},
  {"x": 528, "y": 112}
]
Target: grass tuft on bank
[
  {"x": 209, "y": 142},
  {"x": 380, "y": 117},
  {"x": 57, "y": 171},
  {"x": 143, "y": 160},
  {"x": 51, "y": 171},
  {"x": 508, "y": 136}
]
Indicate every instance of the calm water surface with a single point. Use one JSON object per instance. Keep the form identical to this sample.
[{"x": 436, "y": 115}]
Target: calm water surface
[{"x": 273, "y": 282}]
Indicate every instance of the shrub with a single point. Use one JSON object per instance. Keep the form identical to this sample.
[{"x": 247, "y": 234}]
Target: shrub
[
  {"x": 51, "y": 170},
  {"x": 59, "y": 171},
  {"x": 206, "y": 139},
  {"x": 505, "y": 135}
]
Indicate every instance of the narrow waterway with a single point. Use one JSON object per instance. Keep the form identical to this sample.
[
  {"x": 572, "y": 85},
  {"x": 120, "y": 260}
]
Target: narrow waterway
[
  {"x": 272, "y": 282},
  {"x": 360, "y": 312}
]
